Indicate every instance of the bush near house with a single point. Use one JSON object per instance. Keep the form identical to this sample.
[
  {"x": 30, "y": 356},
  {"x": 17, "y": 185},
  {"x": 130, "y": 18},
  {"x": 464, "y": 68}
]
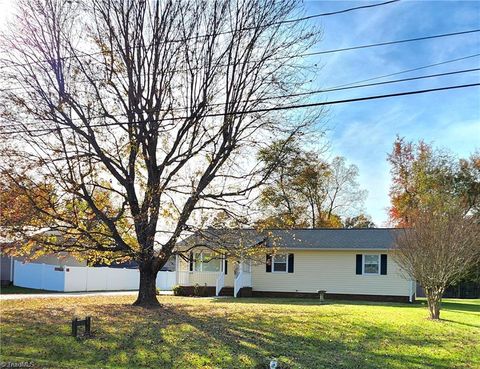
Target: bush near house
[{"x": 195, "y": 291}]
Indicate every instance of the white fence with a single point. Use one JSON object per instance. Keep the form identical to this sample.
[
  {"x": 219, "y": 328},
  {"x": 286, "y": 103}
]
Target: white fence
[
  {"x": 166, "y": 280},
  {"x": 100, "y": 279},
  {"x": 70, "y": 279},
  {"x": 40, "y": 276}
]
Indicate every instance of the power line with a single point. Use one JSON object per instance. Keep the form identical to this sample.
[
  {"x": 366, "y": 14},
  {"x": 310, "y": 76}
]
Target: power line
[
  {"x": 287, "y": 107},
  {"x": 336, "y": 12},
  {"x": 448, "y": 61},
  {"x": 313, "y": 53},
  {"x": 295, "y": 20},
  {"x": 412, "y": 69},
  {"x": 391, "y": 42},
  {"x": 340, "y": 88},
  {"x": 328, "y": 89},
  {"x": 244, "y": 29}
]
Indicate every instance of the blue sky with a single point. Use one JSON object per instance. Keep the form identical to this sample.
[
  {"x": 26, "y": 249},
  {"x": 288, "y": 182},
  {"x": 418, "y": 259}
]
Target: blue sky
[{"x": 363, "y": 132}]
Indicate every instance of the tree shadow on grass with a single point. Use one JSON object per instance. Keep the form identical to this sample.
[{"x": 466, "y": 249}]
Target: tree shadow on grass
[
  {"x": 303, "y": 301},
  {"x": 461, "y": 306},
  {"x": 182, "y": 335},
  {"x": 461, "y": 323}
]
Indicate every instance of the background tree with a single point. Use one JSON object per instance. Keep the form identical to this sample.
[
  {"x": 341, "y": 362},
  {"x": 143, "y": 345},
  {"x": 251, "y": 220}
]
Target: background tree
[
  {"x": 438, "y": 250},
  {"x": 158, "y": 106},
  {"x": 26, "y": 213},
  {"x": 280, "y": 196},
  {"x": 422, "y": 176},
  {"x": 359, "y": 221},
  {"x": 16, "y": 209},
  {"x": 307, "y": 191}
]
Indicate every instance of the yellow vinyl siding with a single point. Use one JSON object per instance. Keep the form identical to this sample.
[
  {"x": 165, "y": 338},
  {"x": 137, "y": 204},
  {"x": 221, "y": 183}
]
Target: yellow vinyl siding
[{"x": 333, "y": 271}]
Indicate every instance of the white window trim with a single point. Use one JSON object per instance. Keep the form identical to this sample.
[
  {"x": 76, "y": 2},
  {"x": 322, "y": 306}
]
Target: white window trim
[
  {"x": 286, "y": 264},
  {"x": 222, "y": 262},
  {"x": 379, "y": 264}
]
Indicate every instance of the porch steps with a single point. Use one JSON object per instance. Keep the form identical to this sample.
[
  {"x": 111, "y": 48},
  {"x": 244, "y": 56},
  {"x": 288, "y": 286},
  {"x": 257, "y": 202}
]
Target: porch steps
[{"x": 226, "y": 291}]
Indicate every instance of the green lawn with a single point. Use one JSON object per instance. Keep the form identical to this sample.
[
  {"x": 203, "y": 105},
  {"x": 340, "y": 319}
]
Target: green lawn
[{"x": 240, "y": 333}]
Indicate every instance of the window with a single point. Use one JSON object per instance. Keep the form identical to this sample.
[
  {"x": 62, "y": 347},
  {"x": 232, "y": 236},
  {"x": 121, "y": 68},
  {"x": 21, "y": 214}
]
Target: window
[
  {"x": 211, "y": 263},
  {"x": 247, "y": 267},
  {"x": 279, "y": 263},
  {"x": 197, "y": 259},
  {"x": 371, "y": 264},
  {"x": 207, "y": 262}
]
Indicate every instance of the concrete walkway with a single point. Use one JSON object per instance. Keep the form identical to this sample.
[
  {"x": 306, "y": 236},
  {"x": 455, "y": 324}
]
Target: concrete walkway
[{"x": 22, "y": 296}]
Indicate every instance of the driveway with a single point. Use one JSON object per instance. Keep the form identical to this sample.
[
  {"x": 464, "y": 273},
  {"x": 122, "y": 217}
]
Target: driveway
[{"x": 53, "y": 295}]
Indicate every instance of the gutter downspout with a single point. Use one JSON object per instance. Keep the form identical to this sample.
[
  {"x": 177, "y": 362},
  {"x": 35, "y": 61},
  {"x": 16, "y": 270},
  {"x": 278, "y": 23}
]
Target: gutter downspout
[{"x": 410, "y": 292}]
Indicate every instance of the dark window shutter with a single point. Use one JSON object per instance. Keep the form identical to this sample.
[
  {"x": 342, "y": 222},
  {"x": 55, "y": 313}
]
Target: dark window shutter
[
  {"x": 383, "y": 264},
  {"x": 191, "y": 261},
  {"x": 359, "y": 264},
  {"x": 226, "y": 266},
  {"x": 290, "y": 263},
  {"x": 268, "y": 264}
]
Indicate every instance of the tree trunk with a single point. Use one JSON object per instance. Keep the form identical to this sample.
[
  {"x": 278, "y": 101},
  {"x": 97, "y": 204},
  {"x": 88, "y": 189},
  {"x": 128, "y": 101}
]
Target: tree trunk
[
  {"x": 434, "y": 300},
  {"x": 147, "y": 292}
]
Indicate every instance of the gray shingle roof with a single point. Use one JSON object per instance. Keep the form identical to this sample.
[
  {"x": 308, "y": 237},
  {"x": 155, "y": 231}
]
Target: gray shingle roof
[{"x": 323, "y": 238}]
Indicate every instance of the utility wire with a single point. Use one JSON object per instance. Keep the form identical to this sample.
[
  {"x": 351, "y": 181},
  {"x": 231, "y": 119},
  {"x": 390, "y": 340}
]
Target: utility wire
[
  {"x": 335, "y": 12},
  {"x": 412, "y": 69},
  {"x": 295, "y": 20},
  {"x": 329, "y": 89},
  {"x": 392, "y": 42},
  {"x": 247, "y": 28},
  {"x": 313, "y": 53},
  {"x": 286, "y": 107},
  {"x": 448, "y": 61},
  {"x": 348, "y": 84}
]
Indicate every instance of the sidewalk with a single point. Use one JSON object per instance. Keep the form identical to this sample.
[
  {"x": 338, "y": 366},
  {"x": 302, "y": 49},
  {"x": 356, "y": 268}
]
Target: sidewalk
[{"x": 22, "y": 296}]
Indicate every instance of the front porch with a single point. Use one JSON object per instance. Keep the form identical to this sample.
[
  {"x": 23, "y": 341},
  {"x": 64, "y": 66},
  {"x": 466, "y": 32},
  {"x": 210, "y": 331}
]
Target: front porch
[{"x": 232, "y": 278}]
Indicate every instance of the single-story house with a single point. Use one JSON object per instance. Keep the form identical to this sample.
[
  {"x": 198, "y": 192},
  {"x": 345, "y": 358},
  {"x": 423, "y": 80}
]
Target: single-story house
[{"x": 346, "y": 263}]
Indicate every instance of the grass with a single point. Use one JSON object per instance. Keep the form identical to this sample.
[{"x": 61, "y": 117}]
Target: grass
[
  {"x": 11, "y": 290},
  {"x": 240, "y": 333}
]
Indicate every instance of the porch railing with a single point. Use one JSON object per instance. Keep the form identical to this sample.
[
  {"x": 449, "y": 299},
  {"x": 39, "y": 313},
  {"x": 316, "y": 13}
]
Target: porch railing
[
  {"x": 243, "y": 279},
  {"x": 219, "y": 284},
  {"x": 187, "y": 278}
]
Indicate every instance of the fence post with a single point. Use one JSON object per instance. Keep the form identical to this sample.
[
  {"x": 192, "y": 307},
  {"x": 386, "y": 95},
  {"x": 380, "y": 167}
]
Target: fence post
[
  {"x": 86, "y": 278},
  {"x": 42, "y": 281},
  {"x": 64, "y": 274}
]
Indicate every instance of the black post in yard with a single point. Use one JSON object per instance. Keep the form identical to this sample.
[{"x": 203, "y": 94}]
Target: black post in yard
[
  {"x": 74, "y": 327},
  {"x": 87, "y": 325}
]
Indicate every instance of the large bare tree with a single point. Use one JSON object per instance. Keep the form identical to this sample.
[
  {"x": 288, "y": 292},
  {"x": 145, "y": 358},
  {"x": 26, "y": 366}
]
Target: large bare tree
[
  {"x": 438, "y": 250},
  {"x": 142, "y": 114}
]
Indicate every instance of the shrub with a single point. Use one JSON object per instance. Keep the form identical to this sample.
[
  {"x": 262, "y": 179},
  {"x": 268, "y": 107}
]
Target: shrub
[
  {"x": 179, "y": 291},
  {"x": 200, "y": 291}
]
